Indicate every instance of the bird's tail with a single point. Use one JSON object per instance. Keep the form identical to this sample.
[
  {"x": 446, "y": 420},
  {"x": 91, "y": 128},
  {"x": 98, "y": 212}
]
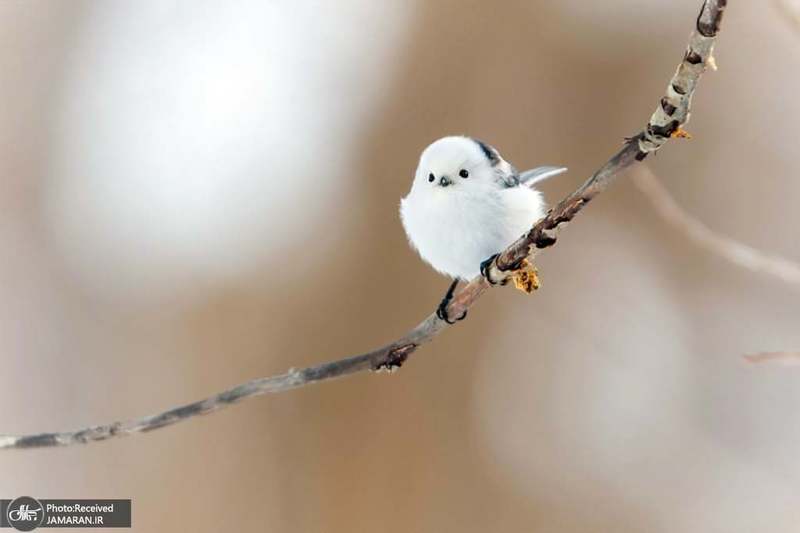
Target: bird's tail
[{"x": 535, "y": 175}]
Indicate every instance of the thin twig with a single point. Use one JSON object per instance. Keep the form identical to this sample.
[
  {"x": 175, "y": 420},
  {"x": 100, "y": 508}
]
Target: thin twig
[
  {"x": 790, "y": 9},
  {"x": 736, "y": 252},
  {"x": 783, "y": 358},
  {"x": 671, "y": 114}
]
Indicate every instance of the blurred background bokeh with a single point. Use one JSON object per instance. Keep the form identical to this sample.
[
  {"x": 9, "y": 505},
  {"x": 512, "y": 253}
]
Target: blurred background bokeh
[{"x": 197, "y": 193}]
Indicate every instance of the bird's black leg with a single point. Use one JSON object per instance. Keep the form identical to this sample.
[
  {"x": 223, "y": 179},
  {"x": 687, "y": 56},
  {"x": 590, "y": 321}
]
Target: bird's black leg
[
  {"x": 485, "y": 269},
  {"x": 441, "y": 311}
]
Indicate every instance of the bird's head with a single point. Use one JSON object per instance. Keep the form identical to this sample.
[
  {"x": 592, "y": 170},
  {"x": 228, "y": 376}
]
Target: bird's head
[{"x": 457, "y": 164}]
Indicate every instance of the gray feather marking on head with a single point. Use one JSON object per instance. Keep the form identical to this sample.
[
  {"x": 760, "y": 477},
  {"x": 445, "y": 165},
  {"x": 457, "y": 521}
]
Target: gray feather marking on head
[{"x": 491, "y": 154}]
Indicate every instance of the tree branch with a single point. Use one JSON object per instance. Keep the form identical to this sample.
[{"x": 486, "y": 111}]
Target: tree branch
[
  {"x": 783, "y": 358},
  {"x": 734, "y": 251},
  {"x": 666, "y": 122},
  {"x": 671, "y": 114}
]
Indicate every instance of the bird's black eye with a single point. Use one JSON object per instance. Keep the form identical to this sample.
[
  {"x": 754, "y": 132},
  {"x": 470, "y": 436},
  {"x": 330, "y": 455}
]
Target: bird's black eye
[
  {"x": 464, "y": 173},
  {"x": 431, "y": 177}
]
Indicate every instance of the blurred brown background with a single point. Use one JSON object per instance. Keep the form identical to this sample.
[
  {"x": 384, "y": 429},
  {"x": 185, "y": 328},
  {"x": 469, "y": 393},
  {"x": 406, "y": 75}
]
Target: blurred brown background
[{"x": 198, "y": 193}]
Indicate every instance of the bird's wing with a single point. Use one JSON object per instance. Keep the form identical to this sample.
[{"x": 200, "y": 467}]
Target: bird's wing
[{"x": 535, "y": 175}]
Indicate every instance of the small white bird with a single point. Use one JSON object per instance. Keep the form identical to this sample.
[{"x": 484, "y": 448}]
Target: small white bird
[{"x": 467, "y": 204}]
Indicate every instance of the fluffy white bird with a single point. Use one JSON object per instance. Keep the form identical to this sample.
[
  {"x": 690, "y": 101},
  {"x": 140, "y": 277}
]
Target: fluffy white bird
[{"x": 467, "y": 204}]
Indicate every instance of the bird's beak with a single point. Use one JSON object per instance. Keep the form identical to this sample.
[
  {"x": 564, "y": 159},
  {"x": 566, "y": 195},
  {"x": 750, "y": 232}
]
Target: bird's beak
[{"x": 444, "y": 181}]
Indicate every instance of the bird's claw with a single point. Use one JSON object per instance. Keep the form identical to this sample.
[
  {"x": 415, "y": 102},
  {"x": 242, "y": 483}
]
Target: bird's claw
[
  {"x": 441, "y": 311},
  {"x": 485, "y": 265},
  {"x": 525, "y": 275}
]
